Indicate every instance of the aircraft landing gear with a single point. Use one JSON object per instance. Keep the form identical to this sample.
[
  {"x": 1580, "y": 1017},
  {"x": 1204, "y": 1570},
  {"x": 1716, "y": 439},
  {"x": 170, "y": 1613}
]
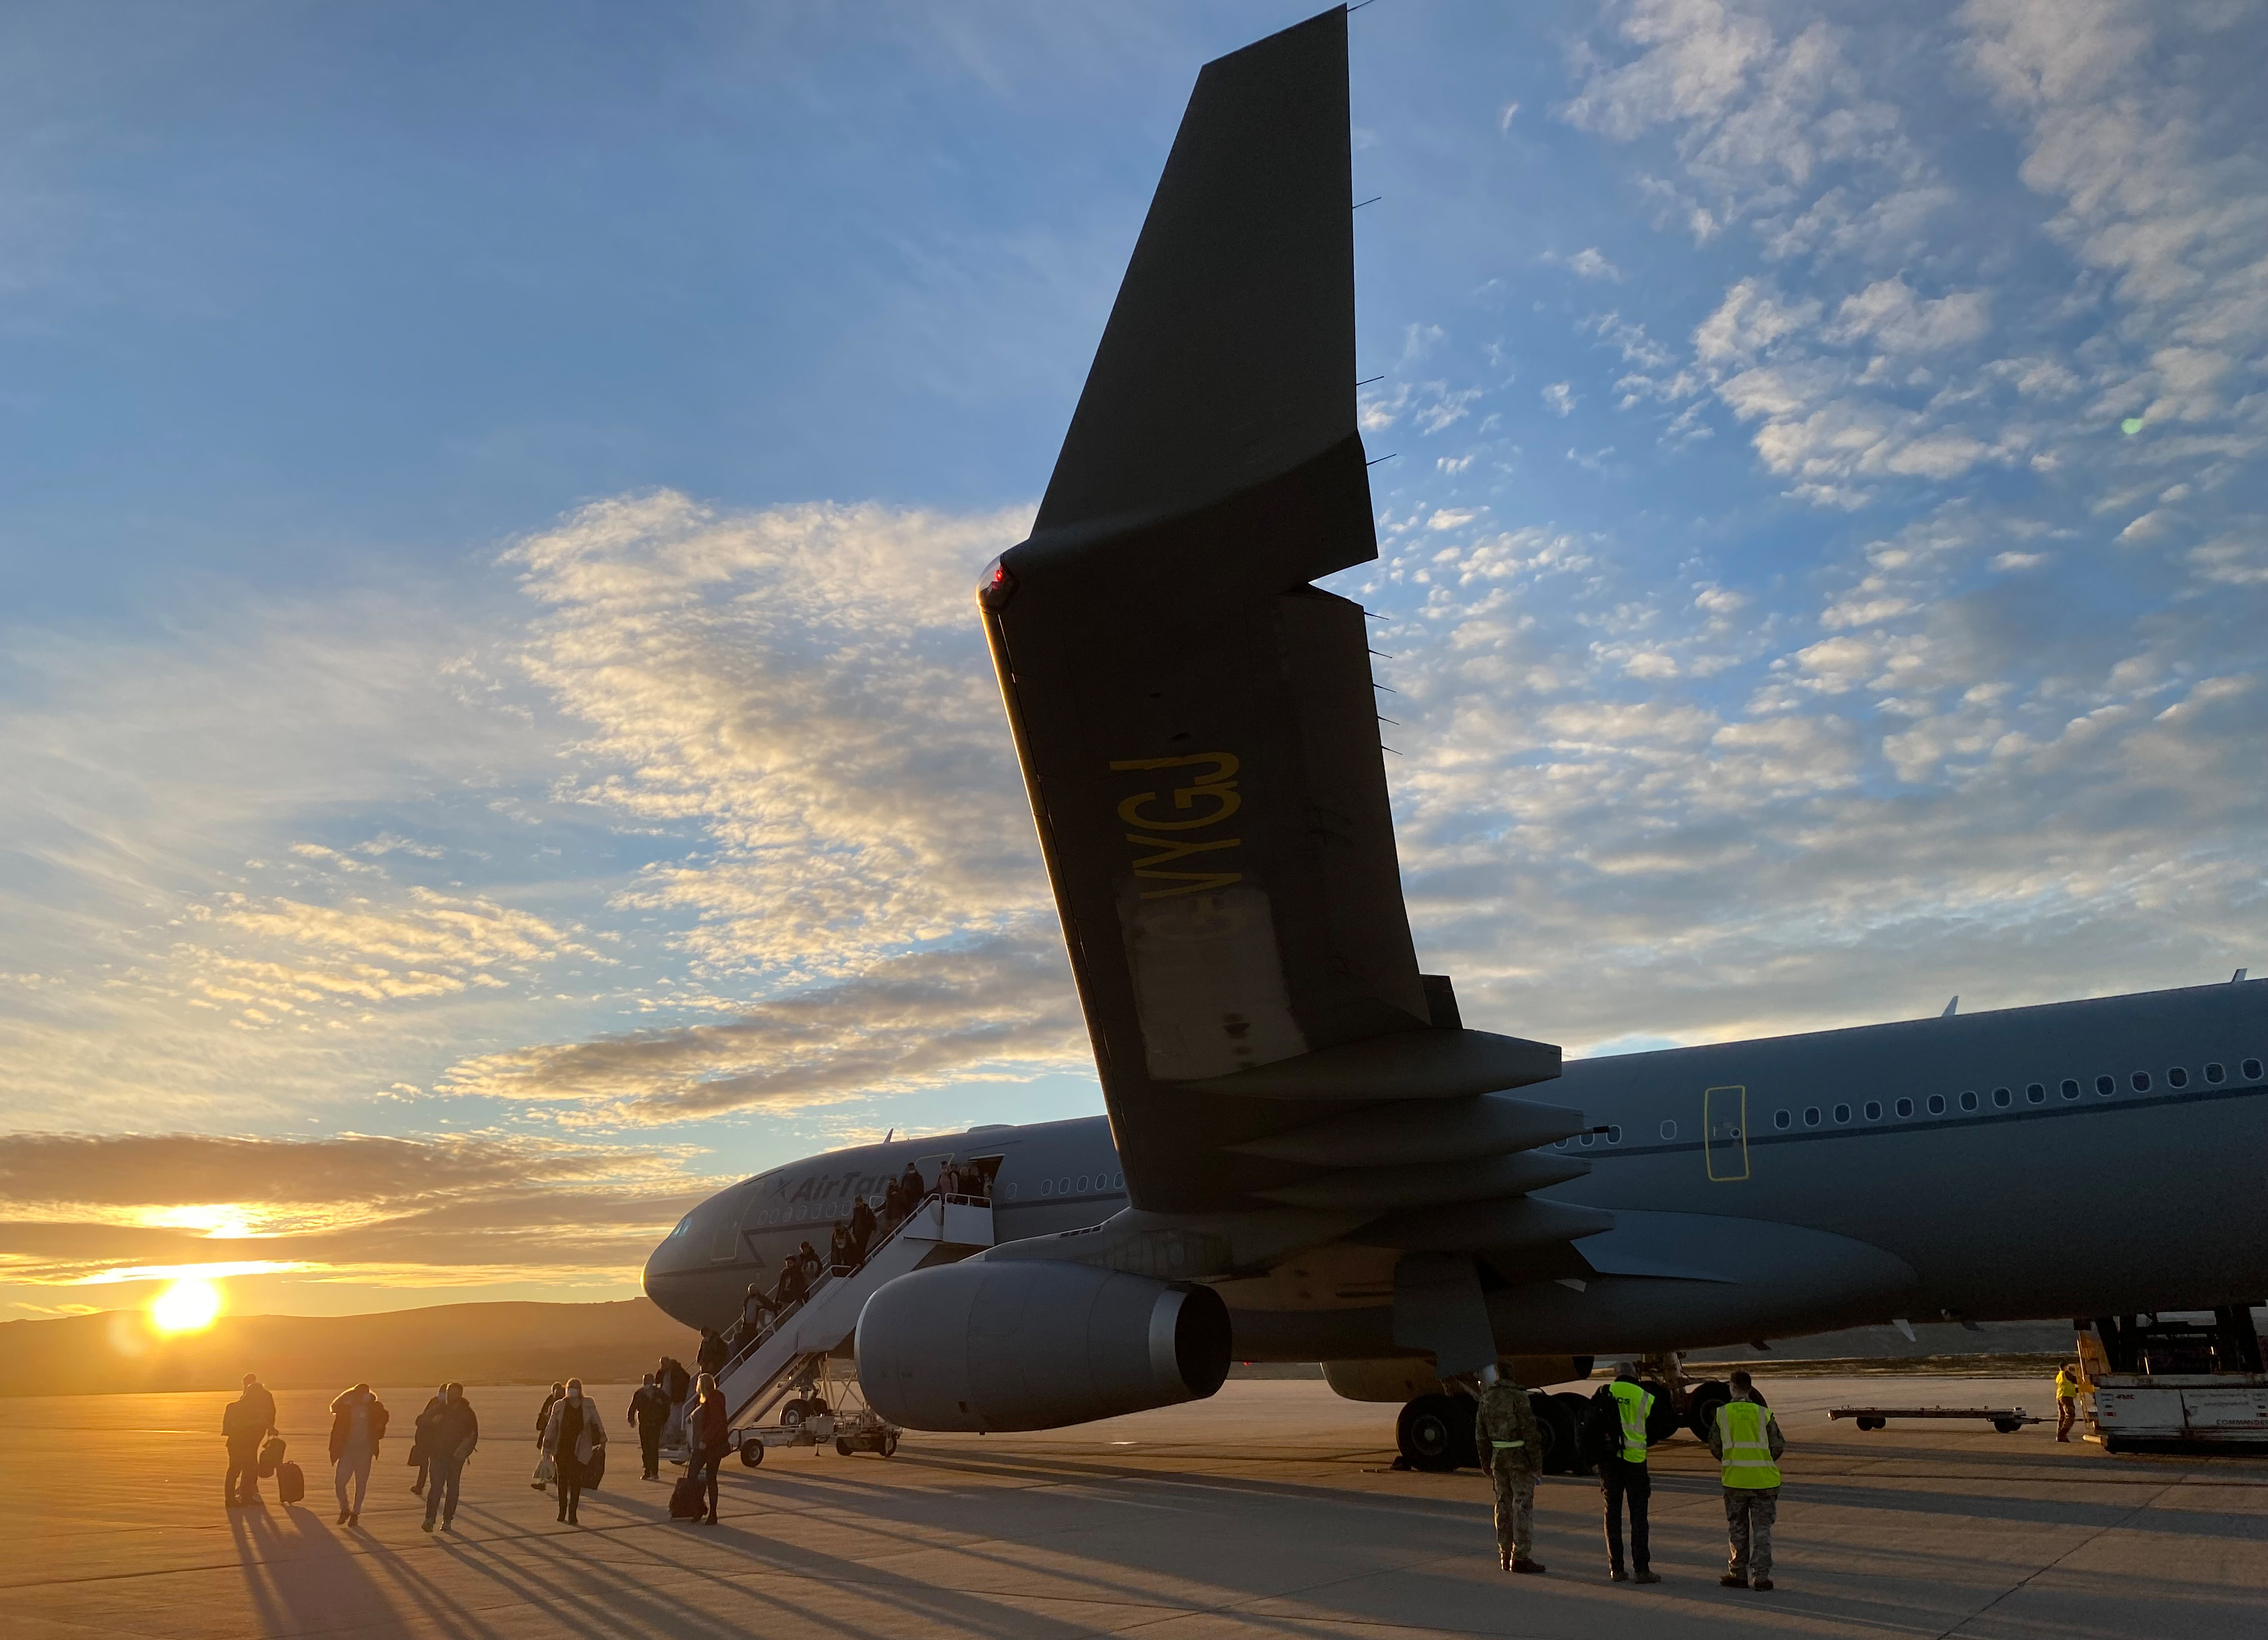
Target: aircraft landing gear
[{"x": 1435, "y": 1434}]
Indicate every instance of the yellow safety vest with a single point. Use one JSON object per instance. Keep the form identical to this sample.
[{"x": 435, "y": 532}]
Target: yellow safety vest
[
  {"x": 2068, "y": 1385},
  {"x": 1635, "y": 1403},
  {"x": 1747, "y": 1459}
]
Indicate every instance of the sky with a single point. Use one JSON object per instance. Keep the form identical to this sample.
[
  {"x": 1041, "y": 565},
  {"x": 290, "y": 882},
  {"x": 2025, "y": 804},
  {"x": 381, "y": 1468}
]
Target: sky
[{"x": 498, "y": 742}]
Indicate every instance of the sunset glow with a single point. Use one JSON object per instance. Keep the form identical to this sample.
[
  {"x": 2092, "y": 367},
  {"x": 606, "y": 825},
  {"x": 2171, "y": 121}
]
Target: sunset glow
[{"x": 188, "y": 1306}]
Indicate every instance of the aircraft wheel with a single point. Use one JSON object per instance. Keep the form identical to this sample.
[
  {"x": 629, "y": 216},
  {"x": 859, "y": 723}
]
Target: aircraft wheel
[
  {"x": 1426, "y": 1433},
  {"x": 1701, "y": 1405},
  {"x": 1576, "y": 1410},
  {"x": 889, "y": 1447},
  {"x": 1662, "y": 1421},
  {"x": 752, "y": 1452},
  {"x": 1558, "y": 1457},
  {"x": 842, "y": 1447}
]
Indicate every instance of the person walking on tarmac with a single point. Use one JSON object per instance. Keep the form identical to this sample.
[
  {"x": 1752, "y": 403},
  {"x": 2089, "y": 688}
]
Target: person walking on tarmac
[
  {"x": 1745, "y": 1440},
  {"x": 450, "y": 1436},
  {"x": 245, "y": 1423},
  {"x": 1620, "y": 1411},
  {"x": 547, "y": 1468},
  {"x": 2070, "y": 1384},
  {"x": 649, "y": 1413},
  {"x": 1511, "y": 1447}
]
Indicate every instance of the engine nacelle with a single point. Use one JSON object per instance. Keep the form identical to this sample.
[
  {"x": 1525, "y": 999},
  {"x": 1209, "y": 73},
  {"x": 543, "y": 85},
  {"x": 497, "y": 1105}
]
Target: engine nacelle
[{"x": 1035, "y": 1344}]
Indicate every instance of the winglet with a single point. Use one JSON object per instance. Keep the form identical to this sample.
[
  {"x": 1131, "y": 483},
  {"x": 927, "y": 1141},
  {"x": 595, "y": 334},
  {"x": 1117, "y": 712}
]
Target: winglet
[{"x": 1952, "y": 1007}]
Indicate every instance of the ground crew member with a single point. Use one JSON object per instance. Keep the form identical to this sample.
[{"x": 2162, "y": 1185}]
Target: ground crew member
[
  {"x": 1511, "y": 1448},
  {"x": 1623, "y": 1473},
  {"x": 1745, "y": 1440},
  {"x": 2070, "y": 1384}
]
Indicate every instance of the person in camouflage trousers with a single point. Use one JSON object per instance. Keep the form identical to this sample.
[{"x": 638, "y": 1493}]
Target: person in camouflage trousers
[{"x": 1511, "y": 1446}]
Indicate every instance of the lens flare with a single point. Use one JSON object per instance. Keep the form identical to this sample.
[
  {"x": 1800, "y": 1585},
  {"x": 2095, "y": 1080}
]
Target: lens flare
[{"x": 188, "y": 1306}]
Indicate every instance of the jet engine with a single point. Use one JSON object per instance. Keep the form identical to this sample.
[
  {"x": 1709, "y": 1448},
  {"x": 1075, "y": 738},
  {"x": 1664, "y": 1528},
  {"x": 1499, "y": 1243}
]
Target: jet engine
[{"x": 1035, "y": 1344}]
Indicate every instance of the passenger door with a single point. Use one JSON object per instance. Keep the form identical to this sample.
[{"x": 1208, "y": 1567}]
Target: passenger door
[{"x": 1725, "y": 1132}]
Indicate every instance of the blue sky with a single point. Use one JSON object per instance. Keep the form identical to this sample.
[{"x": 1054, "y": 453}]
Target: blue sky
[{"x": 488, "y": 502}]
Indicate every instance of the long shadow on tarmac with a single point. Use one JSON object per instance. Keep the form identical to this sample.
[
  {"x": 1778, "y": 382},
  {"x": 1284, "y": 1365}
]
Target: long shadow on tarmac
[{"x": 300, "y": 1573}]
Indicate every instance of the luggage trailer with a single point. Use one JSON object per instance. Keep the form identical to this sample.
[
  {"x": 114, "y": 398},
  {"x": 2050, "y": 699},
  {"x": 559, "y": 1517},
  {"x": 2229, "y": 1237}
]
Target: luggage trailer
[{"x": 2179, "y": 1386}]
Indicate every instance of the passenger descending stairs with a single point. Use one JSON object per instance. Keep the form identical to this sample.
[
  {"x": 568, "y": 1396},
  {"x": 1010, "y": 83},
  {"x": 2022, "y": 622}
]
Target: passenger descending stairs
[{"x": 941, "y": 1231}]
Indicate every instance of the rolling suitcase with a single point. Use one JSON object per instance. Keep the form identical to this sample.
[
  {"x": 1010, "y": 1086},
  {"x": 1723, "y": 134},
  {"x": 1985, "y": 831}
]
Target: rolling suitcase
[
  {"x": 290, "y": 1483},
  {"x": 688, "y": 1499}
]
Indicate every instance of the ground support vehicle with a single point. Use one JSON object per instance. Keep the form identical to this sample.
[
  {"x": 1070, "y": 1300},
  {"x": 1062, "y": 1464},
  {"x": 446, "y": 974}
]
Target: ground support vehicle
[
  {"x": 2175, "y": 1385},
  {"x": 2008, "y": 1419}
]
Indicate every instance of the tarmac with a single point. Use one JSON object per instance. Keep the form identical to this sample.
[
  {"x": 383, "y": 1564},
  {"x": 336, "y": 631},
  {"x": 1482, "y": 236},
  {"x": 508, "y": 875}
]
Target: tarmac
[{"x": 1270, "y": 1509}]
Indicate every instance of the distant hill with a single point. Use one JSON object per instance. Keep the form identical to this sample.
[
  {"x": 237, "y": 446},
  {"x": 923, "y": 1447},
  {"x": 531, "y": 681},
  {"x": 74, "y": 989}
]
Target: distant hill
[{"x": 116, "y": 1352}]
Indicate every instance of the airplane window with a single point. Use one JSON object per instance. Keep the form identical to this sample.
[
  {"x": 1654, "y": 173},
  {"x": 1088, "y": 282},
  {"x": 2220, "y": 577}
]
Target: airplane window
[
  {"x": 1084, "y": 1181},
  {"x": 1669, "y": 1130},
  {"x": 1046, "y": 1187},
  {"x": 2177, "y": 1077},
  {"x": 1874, "y": 1111},
  {"x": 1780, "y": 1119},
  {"x": 1590, "y": 1138},
  {"x": 1012, "y": 1188},
  {"x": 2252, "y": 1070},
  {"x": 1936, "y": 1105},
  {"x": 1841, "y": 1112},
  {"x": 1811, "y": 1116},
  {"x": 1968, "y": 1098},
  {"x": 2142, "y": 1081},
  {"x": 1905, "y": 1109},
  {"x": 1118, "y": 1181},
  {"x": 2213, "y": 1072},
  {"x": 1063, "y": 1187},
  {"x": 2105, "y": 1086},
  {"x": 2070, "y": 1089},
  {"x": 2035, "y": 1094},
  {"x": 1614, "y": 1135},
  {"x": 2000, "y": 1097}
]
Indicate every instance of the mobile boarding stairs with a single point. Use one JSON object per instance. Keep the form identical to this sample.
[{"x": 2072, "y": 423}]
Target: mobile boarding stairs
[{"x": 790, "y": 1362}]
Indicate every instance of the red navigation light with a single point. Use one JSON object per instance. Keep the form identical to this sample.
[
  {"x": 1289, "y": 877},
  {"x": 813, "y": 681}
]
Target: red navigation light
[{"x": 998, "y": 587}]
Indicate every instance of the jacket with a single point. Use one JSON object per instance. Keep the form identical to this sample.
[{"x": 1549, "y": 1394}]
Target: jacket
[
  {"x": 705, "y": 1423},
  {"x": 250, "y": 1414},
  {"x": 594, "y": 1433},
  {"x": 342, "y": 1411},
  {"x": 543, "y": 1414},
  {"x": 1506, "y": 1432},
  {"x": 649, "y": 1408},
  {"x": 449, "y": 1427}
]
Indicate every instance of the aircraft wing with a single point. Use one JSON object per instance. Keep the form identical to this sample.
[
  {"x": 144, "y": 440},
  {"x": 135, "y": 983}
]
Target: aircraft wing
[{"x": 1196, "y": 721}]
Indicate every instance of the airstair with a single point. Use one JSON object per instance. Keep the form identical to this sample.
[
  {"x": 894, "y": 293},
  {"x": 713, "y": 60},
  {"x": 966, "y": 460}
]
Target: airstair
[{"x": 792, "y": 1353}]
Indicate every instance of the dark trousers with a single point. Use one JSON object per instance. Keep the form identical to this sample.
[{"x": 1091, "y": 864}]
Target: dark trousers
[
  {"x": 705, "y": 1462},
  {"x": 570, "y": 1474},
  {"x": 1620, "y": 1480},
  {"x": 422, "y": 1463},
  {"x": 650, "y": 1448},
  {"x": 243, "y": 1483},
  {"x": 445, "y": 1474}
]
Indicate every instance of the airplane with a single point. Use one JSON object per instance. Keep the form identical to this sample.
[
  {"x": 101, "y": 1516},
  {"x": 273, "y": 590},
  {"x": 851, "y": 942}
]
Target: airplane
[{"x": 1306, "y": 1155}]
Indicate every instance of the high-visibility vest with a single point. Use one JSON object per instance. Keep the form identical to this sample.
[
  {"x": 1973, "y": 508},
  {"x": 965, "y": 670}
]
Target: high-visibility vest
[
  {"x": 1634, "y": 1404},
  {"x": 1747, "y": 1459},
  {"x": 2069, "y": 1386}
]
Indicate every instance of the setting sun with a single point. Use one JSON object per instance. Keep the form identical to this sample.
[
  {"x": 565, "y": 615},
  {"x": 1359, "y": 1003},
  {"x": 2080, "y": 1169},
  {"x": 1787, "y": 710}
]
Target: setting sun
[{"x": 185, "y": 1306}]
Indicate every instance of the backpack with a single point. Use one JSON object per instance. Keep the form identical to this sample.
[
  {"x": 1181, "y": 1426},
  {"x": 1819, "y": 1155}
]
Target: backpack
[
  {"x": 688, "y": 1499},
  {"x": 291, "y": 1484},
  {"x": 271, "y": 1453}
]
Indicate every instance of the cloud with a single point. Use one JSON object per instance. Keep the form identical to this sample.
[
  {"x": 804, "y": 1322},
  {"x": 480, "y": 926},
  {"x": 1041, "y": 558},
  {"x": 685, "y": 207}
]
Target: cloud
[
  {"x": 1890, "y": 316},
  {"x": 1587, "y": 264},
  {"x": 1001, "y": 1007},
  {"x": 1559, "y": 398},
  {"x": 79, "y": 1209}
]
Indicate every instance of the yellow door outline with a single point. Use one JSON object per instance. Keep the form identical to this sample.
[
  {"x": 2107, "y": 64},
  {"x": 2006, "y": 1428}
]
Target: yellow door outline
[{"x": 1725, "y": 1132}]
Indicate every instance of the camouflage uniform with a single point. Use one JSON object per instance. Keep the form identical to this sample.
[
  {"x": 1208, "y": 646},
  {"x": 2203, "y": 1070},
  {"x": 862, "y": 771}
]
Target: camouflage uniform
[{"x": 1512, "y": 1446}]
